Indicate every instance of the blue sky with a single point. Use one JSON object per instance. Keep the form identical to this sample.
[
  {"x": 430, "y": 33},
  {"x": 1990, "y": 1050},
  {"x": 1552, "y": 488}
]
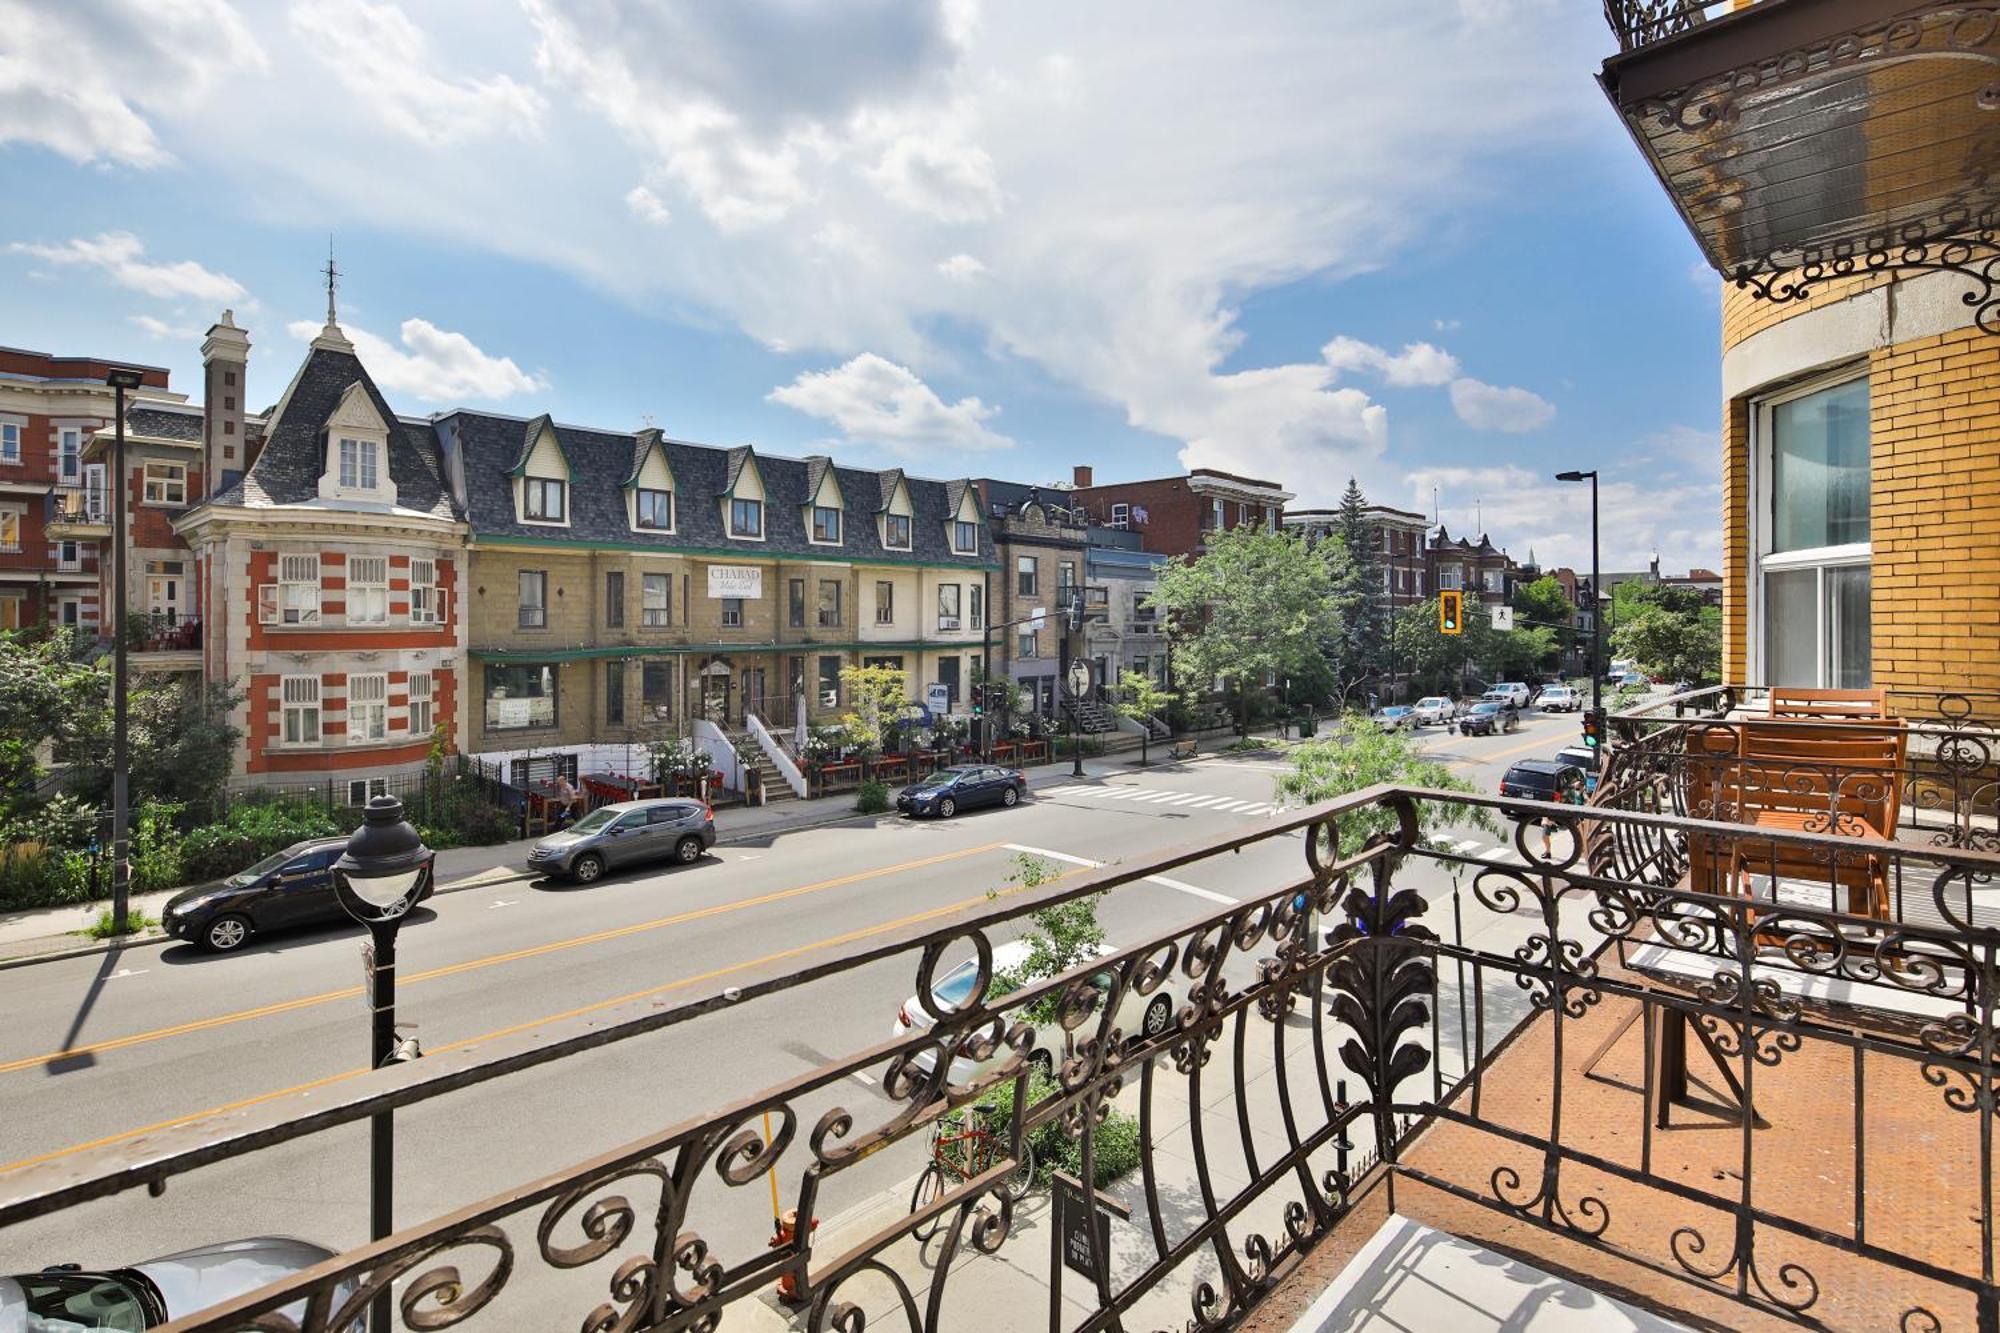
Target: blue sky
[{"x": 1405, "y": 240}]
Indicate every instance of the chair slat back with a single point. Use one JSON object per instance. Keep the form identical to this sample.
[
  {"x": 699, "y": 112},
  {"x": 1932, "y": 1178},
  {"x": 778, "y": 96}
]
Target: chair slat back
[{"x": 1792, "y": 701}]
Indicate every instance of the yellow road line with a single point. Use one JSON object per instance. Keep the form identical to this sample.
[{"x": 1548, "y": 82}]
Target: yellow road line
[
  {"x": 1522, "y": 748},
  {"x": 578, "y": 1012},
  {"x": 494, "y": 960}
]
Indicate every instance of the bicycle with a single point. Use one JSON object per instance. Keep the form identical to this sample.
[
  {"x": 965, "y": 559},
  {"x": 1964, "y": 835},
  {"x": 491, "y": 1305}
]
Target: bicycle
[{"x": 963, "y": 1150}]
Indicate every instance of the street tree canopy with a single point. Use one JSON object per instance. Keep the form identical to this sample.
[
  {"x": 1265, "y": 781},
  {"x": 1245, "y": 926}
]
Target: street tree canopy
[
  {"x": 1674, "y": 645},
  {"x": 880, "y": 696},
  {"x": 1256, "y": 603},
  {"x": 1355, "y": 753},
  {"x": 1441, "y": 661}
]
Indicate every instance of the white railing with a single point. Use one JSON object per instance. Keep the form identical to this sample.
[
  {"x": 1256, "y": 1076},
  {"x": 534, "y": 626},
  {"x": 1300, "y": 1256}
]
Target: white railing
[
  {"x": 776, "y": 753},
  {"x": 721, "y": 753}
]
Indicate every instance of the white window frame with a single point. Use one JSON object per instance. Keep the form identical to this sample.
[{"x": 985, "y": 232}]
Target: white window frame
[
  {"x": 533, "y": 488},
  {"x": 10, "y": 527},
  {"x": 69, "y": 555},
  {"x": 1121, "y": 516},
  {"x": 423, "y": 715},
  {"x": 10, "y": 442},
  {"x": 423, "y": 592},
  {"x": 367, "y": 589},
  {"x": 521, "y": 606},
  {"x": 954, "y": 618},
  {"x": 1762, "y": 465},
  {"x": 368, "y": 708},
  {"x": 1450, "y": 578},
  {"x": 300, "y": 696},
  {"x": 885, "y": 602},
  {"x": 298, "y": 596},
  {"x": 69, "y": 455},
  {"x": 1027, "y": 643},
  {"x": 661, "y": 616},
  {"x": 976, "y": 612},
  {"x": 360, "y": 464},
  {"x": 359, "y": 790}
]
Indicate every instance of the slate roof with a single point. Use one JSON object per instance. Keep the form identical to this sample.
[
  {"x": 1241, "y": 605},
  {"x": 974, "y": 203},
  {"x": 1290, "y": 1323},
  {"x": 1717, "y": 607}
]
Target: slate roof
[
  {"x": 163, "y": 424},
  {"x": 601, "y": 461},
  {"x": 287, "y": 470}
]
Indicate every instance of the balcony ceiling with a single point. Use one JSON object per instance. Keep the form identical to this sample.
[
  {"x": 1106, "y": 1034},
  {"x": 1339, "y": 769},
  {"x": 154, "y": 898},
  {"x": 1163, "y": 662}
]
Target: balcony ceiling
[{"x": 1805, "y": 139}]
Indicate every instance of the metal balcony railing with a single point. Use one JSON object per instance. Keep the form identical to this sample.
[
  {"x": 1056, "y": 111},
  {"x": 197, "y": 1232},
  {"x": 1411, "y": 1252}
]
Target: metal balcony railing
[
  {"x": 1351, "y": 969},
  {"x": 1640, "y": 23},
  {"x": 79, "y": 504}
]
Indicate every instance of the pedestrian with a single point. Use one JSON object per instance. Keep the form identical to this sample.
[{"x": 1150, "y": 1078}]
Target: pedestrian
[{"x": 569, "y": 801}]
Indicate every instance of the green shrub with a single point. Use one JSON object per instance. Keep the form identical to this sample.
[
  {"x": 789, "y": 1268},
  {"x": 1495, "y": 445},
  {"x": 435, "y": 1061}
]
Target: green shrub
[
  {"x": 252, "y": 830},
  {"x": 136, "y": 922},
  {"x": 873, "y": 798},
  {"x": 156, "y": 847},
  {"x": 480, "y": 824},
  {"x": 1114, "y": 1143},
  {"x": 35, "y": 874}
]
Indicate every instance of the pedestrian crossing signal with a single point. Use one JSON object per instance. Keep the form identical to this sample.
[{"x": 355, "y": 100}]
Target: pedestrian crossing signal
[{"x": 1451, "y": 612}]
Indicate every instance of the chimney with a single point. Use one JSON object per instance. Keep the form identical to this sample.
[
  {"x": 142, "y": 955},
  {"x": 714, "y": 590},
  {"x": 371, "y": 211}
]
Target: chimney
[
  {"x": 225, "y": 361},
  {"x": 1081, "y": 474}
]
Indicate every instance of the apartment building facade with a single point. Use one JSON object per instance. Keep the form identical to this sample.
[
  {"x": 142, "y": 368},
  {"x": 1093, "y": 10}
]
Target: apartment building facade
[
  {"x": 1172, "y": 515},
  {"x": 1042, "y": 544},
  {"x": 1400, "y": 541}
]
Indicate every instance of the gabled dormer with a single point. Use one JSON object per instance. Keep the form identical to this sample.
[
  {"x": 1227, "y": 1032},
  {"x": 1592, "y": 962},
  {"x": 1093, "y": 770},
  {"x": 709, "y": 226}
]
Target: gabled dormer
[
  {"x": 356, "y": 461},
  {"x": 961, "y": 529},
  {"x": 895, "y": 520},
  {"x": 743, "y": 496},
  {"x": 651, "y": 495},
  {"x": 824, "y": 512},
  {"x": 542, "y": 476}
]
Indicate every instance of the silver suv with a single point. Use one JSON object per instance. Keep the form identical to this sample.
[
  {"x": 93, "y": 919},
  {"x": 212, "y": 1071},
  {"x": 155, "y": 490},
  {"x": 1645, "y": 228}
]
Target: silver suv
[{"x": 614, "y": 836}]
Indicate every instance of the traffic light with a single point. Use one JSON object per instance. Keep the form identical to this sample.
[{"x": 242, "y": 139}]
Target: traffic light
[
  {"x": 1593, "y": 728},
  {"x": 979, "y": 699},
  {"x": 1451, "y": 612}
]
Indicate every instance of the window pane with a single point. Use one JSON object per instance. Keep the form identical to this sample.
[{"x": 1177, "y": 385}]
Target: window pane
[
  {"x": 520, "y": 696},
  {"x": 1819, "y": 476},
  {"x": 1850, "y": 649},
  {"x": 1791, "y": 628}
]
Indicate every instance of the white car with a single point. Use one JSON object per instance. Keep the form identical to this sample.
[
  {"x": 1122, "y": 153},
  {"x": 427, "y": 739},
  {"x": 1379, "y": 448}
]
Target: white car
[
  {"x": 1433, "y": 710},
  {"x": 1395, "y": 717},
  {"x": 1558, "y": 699},
  {"x": 1511, "y": 691},
  {"x": 146, "y": 1295},
  {"x": 1139, "y": 1015}
]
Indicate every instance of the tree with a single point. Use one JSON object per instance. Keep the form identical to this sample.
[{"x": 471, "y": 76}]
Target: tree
[
  {"x": 1355, "y": 754},
  {"x": 50, "y": 696},
  {"x": 1544, "y": 600},
  {"x": 1357, "y": 650},
  {"x": 1141, "y": 699},
  {"x": 1442, "y": 661},
  {"x": 1255, "y": 604},
  {"x": 1675, "y": 645},
  {"x": 881, "y": 699},
  {"x": 181, "y": 744}
]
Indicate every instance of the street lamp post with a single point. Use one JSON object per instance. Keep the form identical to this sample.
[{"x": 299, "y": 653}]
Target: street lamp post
[
  {"x": 120, "y": 378},
  {"x": 1596, "y": 589},
  {"x": 384, "y": 871}
]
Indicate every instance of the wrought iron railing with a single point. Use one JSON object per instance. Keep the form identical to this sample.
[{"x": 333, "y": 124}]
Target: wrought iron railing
[
  {"x": 1417, "y": 1014},
  {"x": 1642, "y": 22},
  {"x": 79, "y": 504}
]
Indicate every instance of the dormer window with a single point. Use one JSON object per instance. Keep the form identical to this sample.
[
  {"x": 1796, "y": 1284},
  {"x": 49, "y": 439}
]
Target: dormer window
[
  {"x": 826, "y": 525},
  {"x": 964, "y": 538},
  {"x": 360, "y": 464},
  {"x": 896, "y": 532},
  {"x": 356, "y": 461},
  {"x": 746, "y": 518},
  {"x": 655, "y": 509},
  {"x": 544, "y": 500}
]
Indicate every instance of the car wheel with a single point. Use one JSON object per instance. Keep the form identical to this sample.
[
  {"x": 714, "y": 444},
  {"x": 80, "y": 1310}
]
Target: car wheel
[
  {"x": 688, "y": 850},
  {"x": 1159, "y": 1016},
  {"x": 947, "y": 808},
  {"x": 226, "y": 934},
  {"x": 1010, "y": 798},
  {"x": 587, "y": 868}
]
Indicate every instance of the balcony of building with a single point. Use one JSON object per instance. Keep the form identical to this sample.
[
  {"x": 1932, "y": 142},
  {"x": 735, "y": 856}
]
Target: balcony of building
[
  {"x": 1398, "y": 1083},
  {"x": 1803, "y": 140},
  {"x": 163, "y": 643},
  {"x": 78, "y": 513}
]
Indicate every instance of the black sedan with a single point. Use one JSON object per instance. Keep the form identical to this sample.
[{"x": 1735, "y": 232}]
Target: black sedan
[
  {"x": 292, "y": 888},
  {"x": 950, "y": 790},
  {"x": 1489, "y": 718}
]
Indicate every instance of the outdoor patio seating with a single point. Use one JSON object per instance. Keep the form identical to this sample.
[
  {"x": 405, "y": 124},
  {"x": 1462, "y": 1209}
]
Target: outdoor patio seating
[{"x": 1829, "y": 705}]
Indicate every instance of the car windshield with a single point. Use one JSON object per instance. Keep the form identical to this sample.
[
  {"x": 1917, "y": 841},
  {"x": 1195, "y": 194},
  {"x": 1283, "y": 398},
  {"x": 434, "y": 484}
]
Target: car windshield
[
  {"x": 594, "y": 821},
  {"x": 1486, "y": 708},
  {"x": 81, "y": 1300},
  {"x": 1434, "y": 701},
  {"x": 942, "y": 778},
  {"x": 258, "y": 871},
  {"x": 1396, "y": 711},
  {"x": 954, "y": 986}
]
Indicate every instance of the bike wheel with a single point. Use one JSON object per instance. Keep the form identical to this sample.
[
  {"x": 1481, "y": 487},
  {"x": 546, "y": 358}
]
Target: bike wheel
[
  {"x": 1016, "y": 1183},
  {"x": 930, "y": 1188}
]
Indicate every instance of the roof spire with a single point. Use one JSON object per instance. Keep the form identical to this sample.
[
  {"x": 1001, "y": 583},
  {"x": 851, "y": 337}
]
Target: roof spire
[{"x": 331, "y": 337}]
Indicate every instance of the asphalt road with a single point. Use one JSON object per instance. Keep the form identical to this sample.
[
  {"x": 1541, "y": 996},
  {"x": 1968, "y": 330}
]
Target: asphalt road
[{"x": 99, "y": 1050}]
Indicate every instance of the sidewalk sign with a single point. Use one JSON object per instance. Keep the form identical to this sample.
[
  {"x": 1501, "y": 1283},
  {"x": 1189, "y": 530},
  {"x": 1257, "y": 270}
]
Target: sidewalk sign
[{"x": 1082, "y": 1238}]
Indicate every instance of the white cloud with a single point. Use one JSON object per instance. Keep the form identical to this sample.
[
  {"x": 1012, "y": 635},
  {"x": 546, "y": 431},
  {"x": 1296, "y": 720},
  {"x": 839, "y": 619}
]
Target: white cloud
[
  {"x": 166, "y": 331},
  {"x": 961, "y": 268},
  {"x": 1447, "y": 325},
  {"x": 120, "y": 255},
  {"x": 1417, "y": 363},
  {"x": 647, "y": 206},
  {"x": 81, "y": 79},
  {"x": 1489, "y": 407},
  {"x": 385, "y": 62},
  {"x": 875, "y": 401},
  {"x": 1639, "y": 513},
  {"x": 433, "y": 364},
  {"x": 952, "y": 182}
]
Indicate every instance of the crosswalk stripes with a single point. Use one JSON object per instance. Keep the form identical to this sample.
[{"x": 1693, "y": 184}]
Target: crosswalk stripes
[{"x": 1166, "y": 799}]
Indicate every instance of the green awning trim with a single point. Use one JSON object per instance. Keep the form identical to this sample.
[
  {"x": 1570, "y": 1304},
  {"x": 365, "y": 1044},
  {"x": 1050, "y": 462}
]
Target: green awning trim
[
  {"x": 735, "y": 554},
  {"x": 540, "y": 655}
]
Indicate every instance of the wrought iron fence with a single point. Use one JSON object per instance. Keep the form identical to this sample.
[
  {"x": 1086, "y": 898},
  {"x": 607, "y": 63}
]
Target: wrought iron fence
[
  {"x": 1374, "y": 998},
  {"x": 1642, "y": 22}
]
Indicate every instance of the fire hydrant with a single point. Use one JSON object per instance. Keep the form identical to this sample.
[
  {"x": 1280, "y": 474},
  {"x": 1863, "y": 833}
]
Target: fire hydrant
[{"x": 787, "y": 1228}]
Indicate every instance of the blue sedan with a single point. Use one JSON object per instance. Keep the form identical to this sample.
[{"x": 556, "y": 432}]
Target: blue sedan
[{"x": 950, "y": 790}]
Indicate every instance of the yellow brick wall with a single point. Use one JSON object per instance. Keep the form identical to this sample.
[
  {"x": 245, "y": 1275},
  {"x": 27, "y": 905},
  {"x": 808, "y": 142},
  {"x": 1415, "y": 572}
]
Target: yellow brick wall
[
  {"x": 1743, "y": 314},
  {"x": 1735, "y": 540}
]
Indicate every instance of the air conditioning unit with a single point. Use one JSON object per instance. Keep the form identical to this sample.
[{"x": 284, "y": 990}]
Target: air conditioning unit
[{"x": 663, "y": 711}]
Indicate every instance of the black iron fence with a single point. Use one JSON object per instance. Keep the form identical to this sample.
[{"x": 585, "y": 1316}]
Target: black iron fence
[
  {"x": 1642, "y": 22},
  {"x": 1341, "y": 969}
]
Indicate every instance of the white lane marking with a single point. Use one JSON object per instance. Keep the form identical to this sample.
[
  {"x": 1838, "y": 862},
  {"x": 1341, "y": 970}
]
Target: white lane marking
[
  {"x": 1155, "y": 797},
  {"x": 1469, "y": 846},
  {"x": 862, "y": 1078},
  {"x": 501, "y": 902},
  {"x": 1203, "y": 802},
  {"x": 1119, "y": 793},
  {"x": 1181, "y": 798},
  {"x": 1160, "y": 880},
  {"x": 128, "y": 972}
]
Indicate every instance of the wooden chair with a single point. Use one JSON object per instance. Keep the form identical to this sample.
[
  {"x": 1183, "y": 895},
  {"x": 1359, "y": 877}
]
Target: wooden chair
[
  {"x": 1829, "y": 705},
  {"x": 1843, "y": 779}
]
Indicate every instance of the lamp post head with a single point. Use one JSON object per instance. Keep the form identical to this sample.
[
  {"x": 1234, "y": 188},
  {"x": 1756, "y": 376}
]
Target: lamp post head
[
  {"x": 1576, "y": 476},
  {"x": 123, "y": 377},
  {"x": 382, "y": 872}
]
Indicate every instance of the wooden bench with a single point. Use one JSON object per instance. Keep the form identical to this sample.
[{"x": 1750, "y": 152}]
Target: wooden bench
[
  {"x": 1829, "y": 705},
  {"x": 1185, "y": 749}
]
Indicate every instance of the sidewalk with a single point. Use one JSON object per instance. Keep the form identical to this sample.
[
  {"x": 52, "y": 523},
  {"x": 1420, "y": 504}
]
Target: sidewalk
[{"x": 44, "y": 933}]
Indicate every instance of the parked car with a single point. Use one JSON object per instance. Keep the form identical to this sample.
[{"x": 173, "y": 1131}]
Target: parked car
[
  {"x": 1434, "y": 710},
  {"x": 1513, "y": 691},
  {"x": 1558, "y": 699},
  {"x": 285, "y": 890},
  {"x": 1490, "y": 717},
  {"x": 146, "y": 1295},
  {"x": 1139, "y": 1016},
  {"x": 1544, "y": 780},
  {"x": 1584, "y": 757},
  {"x": 950, "y": 790},
  {"x": 626, "y": 834},
  {"x": 1395, "y": 717}
]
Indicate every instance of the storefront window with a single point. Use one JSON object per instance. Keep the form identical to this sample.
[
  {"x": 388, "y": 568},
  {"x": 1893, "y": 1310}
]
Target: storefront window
[{"x": 520, "y": 697}]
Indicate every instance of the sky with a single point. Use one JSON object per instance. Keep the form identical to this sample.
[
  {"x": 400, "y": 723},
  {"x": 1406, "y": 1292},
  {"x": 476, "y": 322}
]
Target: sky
[{"x": 1405, "y": 241}]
